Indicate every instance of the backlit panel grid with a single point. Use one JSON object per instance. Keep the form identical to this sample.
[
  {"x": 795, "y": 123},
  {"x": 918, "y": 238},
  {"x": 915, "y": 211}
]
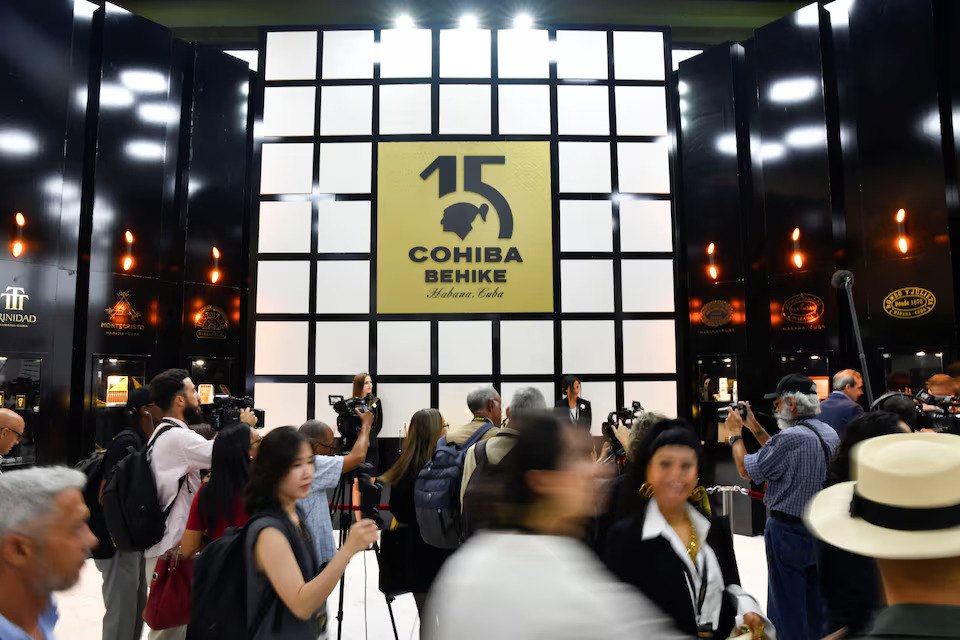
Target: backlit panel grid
[{"x": 598, "y": 96}]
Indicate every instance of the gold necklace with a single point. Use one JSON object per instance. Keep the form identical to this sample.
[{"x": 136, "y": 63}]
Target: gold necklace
[{"x": 693, "y": 547}]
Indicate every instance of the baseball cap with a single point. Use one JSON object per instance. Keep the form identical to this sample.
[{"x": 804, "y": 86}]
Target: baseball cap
[
  {"x": 792, "y": 383},
  {"x": 138, "y": 398}
]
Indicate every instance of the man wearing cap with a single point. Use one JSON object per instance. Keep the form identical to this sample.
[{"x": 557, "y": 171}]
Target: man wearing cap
[
  {"x": 903, "y": 509},
  {"x": 124, "y": 583},
  {"x": 793, "y": 464}
]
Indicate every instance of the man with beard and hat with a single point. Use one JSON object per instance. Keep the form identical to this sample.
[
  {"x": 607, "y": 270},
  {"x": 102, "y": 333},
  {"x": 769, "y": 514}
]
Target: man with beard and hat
[
  {"x": 793, "y": 464},
  {"x": 903, "y": 510},
  {"x": 177, "y": 453}
]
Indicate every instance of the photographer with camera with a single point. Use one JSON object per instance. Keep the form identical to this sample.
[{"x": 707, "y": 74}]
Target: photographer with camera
[
  {"x": 793, "y": 464},
  {"x": 328, "y": 468}
]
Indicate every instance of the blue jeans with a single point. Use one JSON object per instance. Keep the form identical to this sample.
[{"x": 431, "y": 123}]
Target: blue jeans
[{"x": 793, "y": 592}]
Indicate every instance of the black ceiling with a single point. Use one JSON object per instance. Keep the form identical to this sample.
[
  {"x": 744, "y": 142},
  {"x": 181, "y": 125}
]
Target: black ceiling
[{"x": 235, "y": 22}]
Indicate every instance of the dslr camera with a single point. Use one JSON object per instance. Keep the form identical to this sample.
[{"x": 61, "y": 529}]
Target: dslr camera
[
  {"x": 724, "y": 412},
  {"x": 225, "y": 411},
  {"x": 626, "y": 416}
]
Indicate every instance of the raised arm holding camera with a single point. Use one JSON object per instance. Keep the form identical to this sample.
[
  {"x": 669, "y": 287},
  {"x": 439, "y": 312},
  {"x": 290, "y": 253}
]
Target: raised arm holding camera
[{"x": 329, "y": 467}]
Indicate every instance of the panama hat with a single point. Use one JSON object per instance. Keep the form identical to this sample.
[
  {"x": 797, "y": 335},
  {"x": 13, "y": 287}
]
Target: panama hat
[{"x": 904, "y": 503}]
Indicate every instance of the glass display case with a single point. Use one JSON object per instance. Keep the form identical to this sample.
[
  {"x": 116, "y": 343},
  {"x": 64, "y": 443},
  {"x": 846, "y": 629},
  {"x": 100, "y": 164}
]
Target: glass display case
[
  {"x": 20, "y": 392},
  {"x": 910, "y": 371},
  {"x": 717, "y": 383},
  {"x": 115, "y": 377},
  {"x": 815, "y": 366},
  {"x": 213, "y": 377}
]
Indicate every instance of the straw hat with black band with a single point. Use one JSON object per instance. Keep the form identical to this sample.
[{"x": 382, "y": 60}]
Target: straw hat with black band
[{"x": 904, "y": 503}]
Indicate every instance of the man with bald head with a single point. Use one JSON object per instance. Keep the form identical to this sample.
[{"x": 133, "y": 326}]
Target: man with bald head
[{"x": 11, "y": 431}]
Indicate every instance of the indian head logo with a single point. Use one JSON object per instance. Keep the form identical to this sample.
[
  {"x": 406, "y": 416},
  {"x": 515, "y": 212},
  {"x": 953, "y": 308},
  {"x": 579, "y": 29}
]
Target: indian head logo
[
  {"x": 123, "y": 317},
  {"x": 14, "y": 299},
  {"x": 459, "y": 217}
]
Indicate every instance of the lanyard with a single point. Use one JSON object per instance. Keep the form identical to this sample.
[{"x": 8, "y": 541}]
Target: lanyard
[{"x": 703, "y": 585}]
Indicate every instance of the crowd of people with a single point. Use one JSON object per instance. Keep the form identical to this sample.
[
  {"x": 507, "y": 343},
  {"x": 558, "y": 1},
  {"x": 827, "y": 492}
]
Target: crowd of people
[{"x": 538, "y": 536}]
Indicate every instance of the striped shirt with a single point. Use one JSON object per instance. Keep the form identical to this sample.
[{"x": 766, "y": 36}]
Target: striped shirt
[{"x": 793, "y": 466}]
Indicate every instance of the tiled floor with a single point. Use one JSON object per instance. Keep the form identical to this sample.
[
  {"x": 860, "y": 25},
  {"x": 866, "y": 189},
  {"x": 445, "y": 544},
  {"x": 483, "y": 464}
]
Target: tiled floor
[{"x": 81, "y": 608}]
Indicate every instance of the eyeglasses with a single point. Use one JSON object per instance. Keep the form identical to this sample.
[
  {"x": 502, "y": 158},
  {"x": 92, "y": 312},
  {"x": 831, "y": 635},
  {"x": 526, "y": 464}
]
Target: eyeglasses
[
  {"x": 19, "y": 435},
  {"x": 329, "y": 447}
]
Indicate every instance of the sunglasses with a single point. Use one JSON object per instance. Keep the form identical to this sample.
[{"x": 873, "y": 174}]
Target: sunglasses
[{"x": 19, "y": 435}]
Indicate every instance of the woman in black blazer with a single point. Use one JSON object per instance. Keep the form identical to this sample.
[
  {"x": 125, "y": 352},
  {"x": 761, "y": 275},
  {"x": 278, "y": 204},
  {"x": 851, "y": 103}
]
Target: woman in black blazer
[
  {"x": 678, "y": 556},
  {"x": 571, "y": 406}
]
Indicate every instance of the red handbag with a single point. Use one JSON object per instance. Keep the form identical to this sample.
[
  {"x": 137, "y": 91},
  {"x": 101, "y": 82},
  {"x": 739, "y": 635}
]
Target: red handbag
[{"x": 168, "y": 604}]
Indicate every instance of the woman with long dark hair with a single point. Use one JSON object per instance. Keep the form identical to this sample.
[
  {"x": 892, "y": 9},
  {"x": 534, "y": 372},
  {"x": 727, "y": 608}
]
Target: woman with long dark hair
[
  {"x": 363, "y": 388},
  {"x": 677, "y": 555},
  {"x": 281, "y": 559},
  {"x": 421, "y": 561},
  {"x": 531, "y": 576},
  {"x": 218, "y": 504}
]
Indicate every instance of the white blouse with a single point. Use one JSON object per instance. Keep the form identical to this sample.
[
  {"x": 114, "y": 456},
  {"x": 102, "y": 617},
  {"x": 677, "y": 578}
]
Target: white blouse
[{"x": 655, "y": 525}]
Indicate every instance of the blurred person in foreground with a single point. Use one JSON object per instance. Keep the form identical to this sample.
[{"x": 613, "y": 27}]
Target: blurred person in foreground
[
  {"x": 852, "y": 593},
  {"x": 44, "y": 542},
  {"x": 530, "y": 576},
  {"x": 903, "y": 510},
  {"x": 678, "y": 556},
  {"x": 421, "y": 562},
  {"x": 793, "y": 464}
]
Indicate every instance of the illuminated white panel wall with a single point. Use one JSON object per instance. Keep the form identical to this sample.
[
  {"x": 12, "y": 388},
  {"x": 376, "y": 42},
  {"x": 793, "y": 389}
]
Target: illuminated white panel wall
[{"x": 331, "y": 96}]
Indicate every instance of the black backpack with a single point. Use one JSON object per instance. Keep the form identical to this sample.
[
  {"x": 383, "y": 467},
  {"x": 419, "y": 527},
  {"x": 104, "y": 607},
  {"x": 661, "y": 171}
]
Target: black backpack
[
  {"x": 92, "y": 467},
  {"x": 483, "y": 475},
  {"x": 436, "y": 493},
  {"x": 131, "y": 506},
  {"x": 218, "y": 596}
]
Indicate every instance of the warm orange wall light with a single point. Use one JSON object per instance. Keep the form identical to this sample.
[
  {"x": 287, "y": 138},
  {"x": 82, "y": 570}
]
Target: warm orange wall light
[
  {"x": 903, "y": 243},
  {"x": 215, "y": 274},
  {"x": 16, "y": 247},
  {"x": 128, "y": 259},
  {"x": 797, "y": 257}
]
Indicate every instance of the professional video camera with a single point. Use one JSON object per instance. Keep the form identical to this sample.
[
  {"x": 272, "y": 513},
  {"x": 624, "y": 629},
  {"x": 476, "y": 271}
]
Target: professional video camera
[
  {"x": 348, "y": 422},
  {"x": 626, "y": 416},
  {"x": 225, "y": 411},
  {"x": 937, "y": 413}
]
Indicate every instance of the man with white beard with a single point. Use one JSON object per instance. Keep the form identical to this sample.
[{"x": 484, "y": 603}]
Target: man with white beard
[{"x": 793, "y": 464}]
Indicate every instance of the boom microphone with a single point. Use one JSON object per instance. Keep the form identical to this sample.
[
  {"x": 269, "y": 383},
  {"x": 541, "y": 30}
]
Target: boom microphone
[{"x": 842, "y": 279}]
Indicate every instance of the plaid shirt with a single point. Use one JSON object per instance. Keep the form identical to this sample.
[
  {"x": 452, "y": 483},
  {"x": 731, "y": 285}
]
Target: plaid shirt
[
  {"x": 793, "y": 466},
  {"x": 317, "y": 509}
]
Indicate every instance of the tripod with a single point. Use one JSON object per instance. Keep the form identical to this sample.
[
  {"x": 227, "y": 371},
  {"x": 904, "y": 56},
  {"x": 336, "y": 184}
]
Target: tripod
[{"x": 343, "y": 504}]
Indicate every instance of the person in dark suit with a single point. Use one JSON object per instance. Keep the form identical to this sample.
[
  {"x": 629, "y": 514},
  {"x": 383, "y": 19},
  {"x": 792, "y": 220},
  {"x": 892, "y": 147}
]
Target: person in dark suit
[
  {"x": 571, "y": 406},
  {"x": 850, "y": 583},
  {"x": 677, "y": 555},
  {"x": 840, "y": 407}
]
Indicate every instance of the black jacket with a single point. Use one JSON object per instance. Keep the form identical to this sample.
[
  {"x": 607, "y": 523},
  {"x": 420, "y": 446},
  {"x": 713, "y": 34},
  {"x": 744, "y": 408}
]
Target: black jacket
[
  {"x": 655, "y": 569},
  {"x": 584, "y": 418},
  {"x": 851, "y": 589}
]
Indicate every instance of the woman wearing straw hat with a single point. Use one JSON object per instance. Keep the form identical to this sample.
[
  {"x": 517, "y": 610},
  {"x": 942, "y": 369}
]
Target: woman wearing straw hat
[{"x": 903, "y": 509}]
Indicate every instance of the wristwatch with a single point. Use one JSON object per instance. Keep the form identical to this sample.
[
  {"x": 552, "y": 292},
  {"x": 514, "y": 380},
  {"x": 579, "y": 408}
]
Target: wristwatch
[{"x": 732, "y": 439}]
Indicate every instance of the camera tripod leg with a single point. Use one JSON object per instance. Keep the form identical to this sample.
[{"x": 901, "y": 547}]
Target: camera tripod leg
[{"x": 389, "y": 600}]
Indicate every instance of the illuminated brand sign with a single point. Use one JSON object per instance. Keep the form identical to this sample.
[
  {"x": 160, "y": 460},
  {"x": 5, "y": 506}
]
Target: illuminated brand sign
[
  {"x": 211, "y": 323},
  {"x": 123, "y": 318},
  {"x": 12, "y": 316},
  {"x": 909, "y": 302},
  {"x": 803, "y": 308},
  {"x": 464, "y": 227},
  {"x": 716, "y": 313}
]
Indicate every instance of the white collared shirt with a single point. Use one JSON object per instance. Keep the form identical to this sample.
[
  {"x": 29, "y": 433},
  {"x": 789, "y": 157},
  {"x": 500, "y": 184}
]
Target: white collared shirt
[
  {"x": 179, "y": 452},
  {"x": 655, "y": 525}
]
